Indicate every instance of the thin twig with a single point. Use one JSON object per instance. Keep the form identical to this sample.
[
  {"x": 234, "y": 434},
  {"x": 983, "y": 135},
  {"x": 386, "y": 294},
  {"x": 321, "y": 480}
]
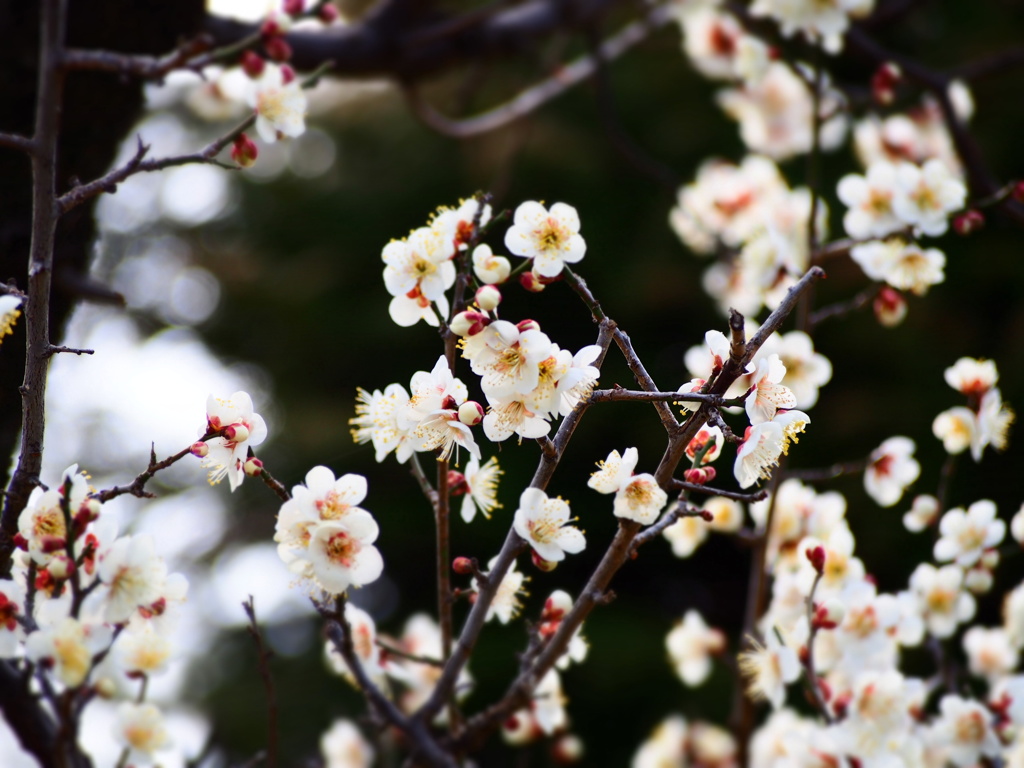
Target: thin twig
[
  {"x": 14, "y": 141},
  {"x": 263, "y": 662},
  {"x": 137, "y": 487}
]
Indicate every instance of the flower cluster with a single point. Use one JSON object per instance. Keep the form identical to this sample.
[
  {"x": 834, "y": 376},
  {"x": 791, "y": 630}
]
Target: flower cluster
[{"x": 985, "y": 421}]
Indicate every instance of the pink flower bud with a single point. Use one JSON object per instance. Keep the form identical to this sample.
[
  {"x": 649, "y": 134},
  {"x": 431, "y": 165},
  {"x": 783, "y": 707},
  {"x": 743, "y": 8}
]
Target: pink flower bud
[
  {"x": 462, "y": 566},
  {"x": 556, "y": 606},
  {"x": 253, "y": 64},
  {"x": 456, "y": 483},
  {"x": 20, "y": 541},
  {"x": 244, "y": 151},
  {"x": 527, "y": 325},
  {"x": 541, "y": 564},
  {"x": 567, "y": 750},
  {"x": 53, "y": 543},
  {"x": 469, "y": 323},
  {"x": 531, "y": 282},
  {"x": 293, "y": 7},
  {"x": 271, "y": 28},
  {"x": 471, "y": 413},
  {"x": 890, "y": 307},
  {"x": 449, "y": 403},
  {"x": 816, "y": 557},
  {"x": 277, "y": 48},
  {"x": 236, "y": 433},
  {"x": 287, "y": 74},
  {"x": 828, "y": 615},
  {"x": 488, "y": 298},
  {"x": 328, "y": 13},
  {"x": 699, "y": 475},
  {"x": 199, "y": 449},
  {"x": 968, "y": 222},
  {"x": 252, "y": 466}
]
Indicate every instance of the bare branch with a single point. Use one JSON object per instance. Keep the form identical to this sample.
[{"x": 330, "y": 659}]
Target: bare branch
[
  {"x": 145, "y": 67},
  {"x": 138, "y": 486},
  {"x": 14, "y": 141},
  {"x": 263, "y": 662}
]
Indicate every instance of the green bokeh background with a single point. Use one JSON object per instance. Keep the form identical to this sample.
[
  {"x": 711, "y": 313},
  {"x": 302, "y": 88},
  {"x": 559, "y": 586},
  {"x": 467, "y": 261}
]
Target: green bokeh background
[{"x": 304, "y": 300}]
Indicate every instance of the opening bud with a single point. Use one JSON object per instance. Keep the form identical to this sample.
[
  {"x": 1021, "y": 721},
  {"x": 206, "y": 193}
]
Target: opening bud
[
  {"x": 556, "y": 606},
  {"x": 488, "y": 298},
  {"x": 527, "y": 325},
  {"x": 541, "y": 564},
  {"x": 275, "y": 26},
  {"x": 236, "y": 433},
  {"x": 244, "y": 151},
  {"x": 252, "y": 466},
  {"x": 531, "y": 282},
  {"x": 462, "y": 566},
  {"x": 293, "y": 7},
  {"x": 471, "y": 413},
  {"x": 890, "y": 307},
  {"x": 518, "y": 729},
  {"x": 699, "y": 475},
  {"x": 968, "y": 222},
  {"x": 884, "y": 82},
  {"x": 61, "y": 568},
  {"x": 252, "y": 64},
  {"x": 50, "y": 544},
  {"x": 816, "y": 557},
  {"x": 199, "y": 449},
  {"x": 20, "y": 542},
  {"x": 277, "y": 49},
  {"x": 105, "y": 688},
  {"x": 287, "y": 74},
  {"x": 456, "y": 483},
  {"x": 469, "y": 323}
]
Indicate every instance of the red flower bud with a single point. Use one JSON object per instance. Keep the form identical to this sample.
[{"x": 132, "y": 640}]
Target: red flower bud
[
  {"x": 328, "y": 13},
  {"x": 244, "y": 152},
  {"x": 287, "y": 74},
  {"x": 293, "y": 7},
  {"x": 531, "y": 282},
  {"x": 816, "y": 557},
  {"x": 253, "y": 64},
  {"x": 883, "y": 83},
  {"x": 968, "y": 222},
  {"x": 541, "y": 564},
  {"x": 1018, "y": 192},
  {"x": 277, "y": 48},
  {"x": 462, "y": 566}
]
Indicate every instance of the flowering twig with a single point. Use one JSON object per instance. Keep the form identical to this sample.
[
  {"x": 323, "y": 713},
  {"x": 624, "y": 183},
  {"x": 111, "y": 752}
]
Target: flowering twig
[
  {"x": 417, "y": 472},
  {"x": 145, "y": 67},
  {"x": 263, "y": 662},
  {"x": 634, "y": 395},
  {"x": 682, "y": 485},
  {"x": 444, "y": 585},
  {"x": 137, "y": 487},
  {"x": 14, "y": 141},
  {"x": 273, "y": 483},
  {"x": 391, "y": 650},
  {"x": 808, "y": 659},
  {"x": 681, "y": 509}
]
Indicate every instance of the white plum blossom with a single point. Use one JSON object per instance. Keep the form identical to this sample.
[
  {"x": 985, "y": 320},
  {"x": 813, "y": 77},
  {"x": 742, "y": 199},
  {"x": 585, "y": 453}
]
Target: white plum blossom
[
  {"x": 768, "y": 668},
  {"x": 989, "y": 652},
  {"x": 418, "y": 271},
  {"x": 341, "y": 554},
  {"x": 972, "y": 376},
  {"x": 814, "y": 19},
  {"x": 993, "y": 424},
  {"x": 364, "y": 642},
  {"x": 924, "y": 509},
  {"x": 549, "y": 702},
  {"x": 69, "y": 646},
  {"x": 280, "y": 104},
  {"x": 431, "y": 416},
  {"x": 481, "y": 488},
  {"x": 542, "y": 522},
  {"x": 551, "y": 238},
  {"x": 637, "y": 497},
  {"x": 488, "y": 268},
  {"x": 891, "y": 470},
  {"x": 376, "y": 421},
  {"x": 965, "y": 535},
  {"x": 665, "y": 747},
  {"x": 133, "y": 576},
  {"x": 140, "y": 729},
  {"x": 143, "y": 649},
  {"x": 806, "y": 370},
  {"x": 758, "y": 453},
  {"x": 686, "y": 534},
  {"x": 343, "y": 746},
  {"x": 941, "y": 598},
  {"x": 869, "y": 199},
  {"x": 718, "y": 45},
  {"x": 768, "y": 395},
  {"x": 238, "y": 429},
  {"x": 956, "y": 427},
  {"x": 927, "y": 195},
  {"x": 506, "y": 604},
  {"x": 902, "y": 265},
  {"x": 964, "y": 729},
  {"x": 691, "y": 644}
]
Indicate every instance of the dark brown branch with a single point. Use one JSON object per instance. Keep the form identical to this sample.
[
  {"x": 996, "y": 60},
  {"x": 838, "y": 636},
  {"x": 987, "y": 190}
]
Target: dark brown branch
[
  {"x": 681, "y": 509},
  {"x": 263, "y": 662},
  {"x": 843, "y": 308},
  {"x": 138, "y": 486},
  {"x": 827, "y": 473},
  {"x": 13, "y": 141},
  {"x": 274, "y": 484},
  {"x": 531, "y": 99},
  {"x": 145, "y": 67},
  {"x": 707, "y": 490},
  {"x": 53, "y": 350},
  {"x": 636, "y": 395}
]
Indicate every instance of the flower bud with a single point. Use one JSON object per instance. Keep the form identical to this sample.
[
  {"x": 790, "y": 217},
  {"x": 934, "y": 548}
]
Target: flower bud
[
  {"x": 968, "y": 222},
  {"x": 978, "y": 580},
  {"x": 236, "y": 433},
  {"x": 884, "y": 82},
  {"x": 287, "y": 74},
  {"x": 462, "y": 566},
  {"x": 252, "y": 64},
  {"x": 275, "y": 26},
  {"x": 567, "y": 750},
  {"x": 556, "y": 606},
  {"x": 252, "y": 467},
  {"x": 456, "y": 483},
  {"x": 541, "y": 564},
  {"x": 890, "y": 307},
  {"x": 278, "y": 49},
  {"x": 488, "y": 298},
  {"x": 1018, "y": 192},
  {"x": 449, "y": 403},
  {"x": 244, "y": 151},
  {"x": 20, "y": 542},
  {"x": 52, "y": 543},
  {"x": 527, "y": 325},
  {"x": 471, "y": 413},
  {"x": 199, "y": 449},
  {"x": 469, "y": 323},
  {"x": 518, "y": 729},
  {"x": 699, "y": 475},
  {"x": 816, "y": 557},
  {"x": 829, "y": 615},
  {"x": 989, "y": 559},
  {"x": 61, "y": 568},
  {"x": 531, "y": 282},
  {"x": 328, "y": 13},
  {"x": 293, "y": 7},
  {"x": 105, "y": 688}
]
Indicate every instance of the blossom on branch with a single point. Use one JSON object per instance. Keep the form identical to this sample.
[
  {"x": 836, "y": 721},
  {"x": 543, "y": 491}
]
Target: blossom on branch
[
  {"x": 891, "y": 469},
  {"x": 637, "y": 497},
  {"x": 543, "y": 523},
  {"x": 280, "y": 104},
  {"x": 237, "y": 428},
  {"x": 550, "y": 238}
]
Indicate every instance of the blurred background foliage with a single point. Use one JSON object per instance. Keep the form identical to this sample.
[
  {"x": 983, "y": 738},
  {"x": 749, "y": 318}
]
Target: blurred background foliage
[{"x": 296, "y": 255}]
